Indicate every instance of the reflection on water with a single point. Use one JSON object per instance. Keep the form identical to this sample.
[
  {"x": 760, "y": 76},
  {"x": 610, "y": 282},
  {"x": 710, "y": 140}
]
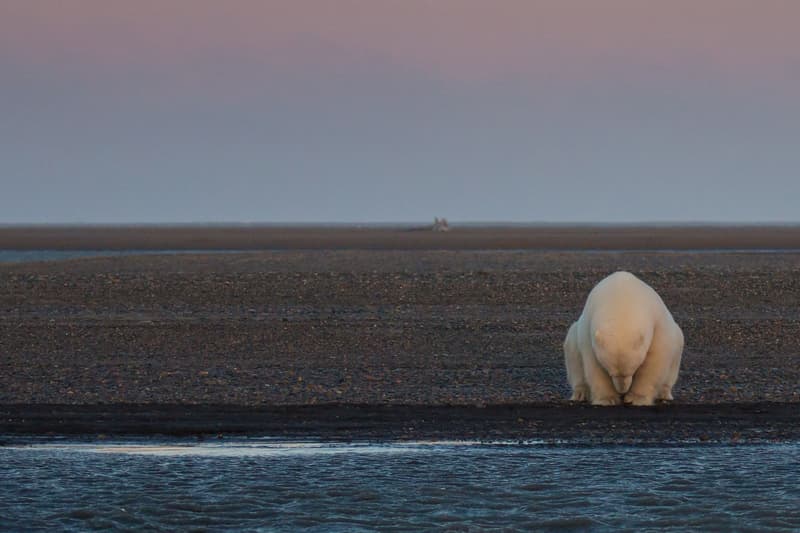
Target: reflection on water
[
  {"x": 407, "y": 486},
  {"x": 252, "y": 447},
  {"x": 22, "y": 256}
]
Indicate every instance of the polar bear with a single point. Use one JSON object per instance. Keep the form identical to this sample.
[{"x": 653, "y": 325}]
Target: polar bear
[{"x": 625, "y": 343}]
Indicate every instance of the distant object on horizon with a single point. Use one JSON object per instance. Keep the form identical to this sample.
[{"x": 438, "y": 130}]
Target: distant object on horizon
[{"x": 440, "y": 224}]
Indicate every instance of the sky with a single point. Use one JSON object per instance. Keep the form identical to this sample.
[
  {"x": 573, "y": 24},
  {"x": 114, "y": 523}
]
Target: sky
[{"x": 285, "y": 111}]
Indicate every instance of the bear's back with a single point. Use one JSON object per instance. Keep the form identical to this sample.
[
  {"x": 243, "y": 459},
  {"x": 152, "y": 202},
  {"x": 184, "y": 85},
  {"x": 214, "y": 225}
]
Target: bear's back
[{"x": 622, "y": 297}]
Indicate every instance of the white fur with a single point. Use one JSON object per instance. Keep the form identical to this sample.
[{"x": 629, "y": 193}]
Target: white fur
[{"x": 625, "y": 346}]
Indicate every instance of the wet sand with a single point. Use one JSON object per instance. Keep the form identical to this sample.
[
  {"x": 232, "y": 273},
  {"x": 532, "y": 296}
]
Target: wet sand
[
  {"x": 549, "y": 423},
  {"x": 379, "y": 344}
]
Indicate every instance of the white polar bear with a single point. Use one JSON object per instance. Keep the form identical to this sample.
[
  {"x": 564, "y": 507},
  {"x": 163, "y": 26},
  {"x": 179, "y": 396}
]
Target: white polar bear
[{"x": 624, "y": 343}]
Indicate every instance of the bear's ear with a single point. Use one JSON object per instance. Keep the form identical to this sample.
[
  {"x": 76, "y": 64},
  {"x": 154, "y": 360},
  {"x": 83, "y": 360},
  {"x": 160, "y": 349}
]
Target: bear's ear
[
  {"x": 598, "y": 337},
  {"x": 639, "y": 340}
]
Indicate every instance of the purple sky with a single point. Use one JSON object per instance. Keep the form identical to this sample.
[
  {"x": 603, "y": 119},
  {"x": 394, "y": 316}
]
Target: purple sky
[{"x": 399, "y": 110}]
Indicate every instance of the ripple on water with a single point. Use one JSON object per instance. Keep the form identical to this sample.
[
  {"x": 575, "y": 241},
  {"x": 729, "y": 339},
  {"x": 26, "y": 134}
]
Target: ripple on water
[{"x": 351, "y": 487}]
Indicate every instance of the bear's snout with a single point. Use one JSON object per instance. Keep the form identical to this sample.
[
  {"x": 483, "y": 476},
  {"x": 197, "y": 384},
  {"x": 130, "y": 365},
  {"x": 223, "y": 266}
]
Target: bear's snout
[{"x": 622, "y": 383}]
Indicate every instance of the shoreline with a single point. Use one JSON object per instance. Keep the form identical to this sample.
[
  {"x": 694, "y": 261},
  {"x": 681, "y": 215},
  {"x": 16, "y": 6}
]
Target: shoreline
[
  {"x": 542, "y": 237},
  {"x": 555, "y": 423}
]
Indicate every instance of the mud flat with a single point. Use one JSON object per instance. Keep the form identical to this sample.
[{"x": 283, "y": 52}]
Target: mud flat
[{"x": 349, "y": 343}]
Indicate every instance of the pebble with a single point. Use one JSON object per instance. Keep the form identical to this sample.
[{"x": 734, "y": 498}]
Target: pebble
[{"x": 411, "y": 328}]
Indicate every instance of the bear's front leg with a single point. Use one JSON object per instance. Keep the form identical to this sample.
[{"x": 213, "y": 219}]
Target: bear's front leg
[
  {"x": 580, "y": 393},
  {"x": 643, "y": 389},
  {"x": 574, "y": 364},
  {"x": 638, "y": 398},
  {"x": 676, "y": 350},
  {"x": 665, "y": 394},
  {"x": 655, "y": 378},
  {"x": 606, "y": 399},
  {"x": 601, "y": 389}
]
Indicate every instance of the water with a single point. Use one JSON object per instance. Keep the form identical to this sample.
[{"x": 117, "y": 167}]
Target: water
[
  {"x": 283, "y": 486},
  {"x": 21, "y": 256}
]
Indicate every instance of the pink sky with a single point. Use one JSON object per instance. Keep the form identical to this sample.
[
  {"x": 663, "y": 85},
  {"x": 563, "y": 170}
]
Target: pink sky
[
  {"x": 315, "y": 110},
  {"x": 468, "y": 40}
]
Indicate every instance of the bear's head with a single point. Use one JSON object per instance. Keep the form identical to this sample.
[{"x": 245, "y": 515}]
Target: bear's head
[{"x": 621, "y": 354}]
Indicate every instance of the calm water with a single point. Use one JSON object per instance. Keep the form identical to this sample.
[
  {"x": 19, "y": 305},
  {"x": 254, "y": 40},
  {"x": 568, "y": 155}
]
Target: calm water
[
  {"x": 20, "y": 256},
  {"x": 273, "y": 485}
]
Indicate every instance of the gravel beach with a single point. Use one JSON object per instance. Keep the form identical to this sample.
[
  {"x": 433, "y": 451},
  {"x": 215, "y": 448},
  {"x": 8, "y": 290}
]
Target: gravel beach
[{"x": 461, "y": 330}]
